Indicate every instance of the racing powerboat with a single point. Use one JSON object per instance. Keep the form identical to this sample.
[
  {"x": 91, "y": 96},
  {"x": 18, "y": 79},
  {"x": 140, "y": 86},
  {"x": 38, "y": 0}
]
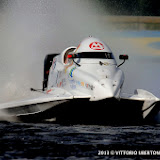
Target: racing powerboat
[{"x": 84, "y": 83}]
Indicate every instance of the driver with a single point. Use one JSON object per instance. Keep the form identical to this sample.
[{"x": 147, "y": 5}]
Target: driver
[{"x": 66, "y": 58}]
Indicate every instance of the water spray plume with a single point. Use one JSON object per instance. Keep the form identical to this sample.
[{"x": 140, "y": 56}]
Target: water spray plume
[{"x": 32, "y": 29}]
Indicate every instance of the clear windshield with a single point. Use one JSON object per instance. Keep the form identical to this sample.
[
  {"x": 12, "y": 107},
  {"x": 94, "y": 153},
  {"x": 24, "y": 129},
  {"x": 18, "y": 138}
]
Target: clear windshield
[{"x": 98, "y": 55}]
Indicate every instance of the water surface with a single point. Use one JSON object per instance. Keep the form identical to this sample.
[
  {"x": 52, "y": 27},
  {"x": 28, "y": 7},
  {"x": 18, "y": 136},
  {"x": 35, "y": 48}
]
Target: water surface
[{"x": 53, "y": 141}]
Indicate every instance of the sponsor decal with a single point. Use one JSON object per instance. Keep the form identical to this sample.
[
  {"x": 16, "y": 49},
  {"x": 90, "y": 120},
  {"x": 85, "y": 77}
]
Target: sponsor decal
[
  {"x": 96, "y": 46},
  {"x": 71, "y": 72},
  {"x": 49, "y": 91},
  {"x": 54, "y": 63},
  {"x": 82, "y": 84},
  {"x": 61, "y": 83},
  {"x": 47, "y": 72},
  {"x": 86, "y": 85},
  {"x": 66, "y": 67},
  {"x": 91, "y": 87},
  {"x": 73, "y": 84},
  {"x": 78, "y": 83}
]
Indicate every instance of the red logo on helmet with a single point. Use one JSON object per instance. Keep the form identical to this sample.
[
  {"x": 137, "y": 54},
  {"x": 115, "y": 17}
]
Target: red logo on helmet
[{"x": 96, "y": 46}]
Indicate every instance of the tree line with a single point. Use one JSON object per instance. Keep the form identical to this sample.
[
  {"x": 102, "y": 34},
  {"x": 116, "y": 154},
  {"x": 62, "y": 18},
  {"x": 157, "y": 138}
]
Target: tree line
[
  {"x": 131, "y": 7},
  {"x": 119, "y": 7}
]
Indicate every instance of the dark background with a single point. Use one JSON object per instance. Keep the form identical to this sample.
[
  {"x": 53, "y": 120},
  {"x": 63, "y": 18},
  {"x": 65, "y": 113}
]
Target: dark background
[
  {"x": 121, "y": 7},
  {"x": 130, "y": 7}
]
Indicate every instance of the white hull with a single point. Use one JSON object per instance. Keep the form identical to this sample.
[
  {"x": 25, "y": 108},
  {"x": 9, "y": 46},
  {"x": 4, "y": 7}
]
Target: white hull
[{"x": 108, "y": 111}]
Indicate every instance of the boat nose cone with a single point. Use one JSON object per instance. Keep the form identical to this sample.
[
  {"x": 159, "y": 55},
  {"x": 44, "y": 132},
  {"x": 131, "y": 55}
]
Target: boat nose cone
[
  {"x": 108, "y": 88},
  {"x": 103, "y": 90}
]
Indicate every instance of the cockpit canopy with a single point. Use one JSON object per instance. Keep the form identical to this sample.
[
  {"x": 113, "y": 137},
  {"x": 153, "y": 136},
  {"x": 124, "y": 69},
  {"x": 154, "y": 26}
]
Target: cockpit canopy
[{"x": 90, "y": 50}]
